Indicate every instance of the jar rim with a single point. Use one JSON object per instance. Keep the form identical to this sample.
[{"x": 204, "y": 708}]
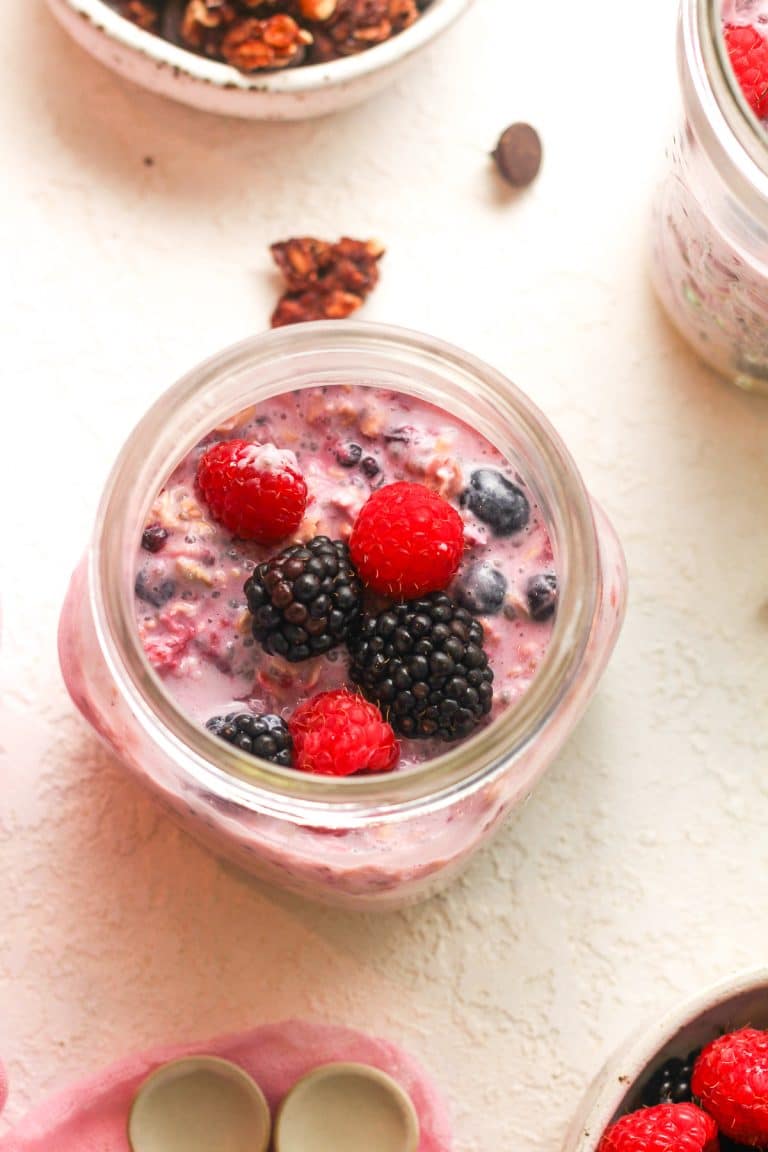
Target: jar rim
[
  {"x": 721, "y": 117},
  {"x": 146, "y": 460}
]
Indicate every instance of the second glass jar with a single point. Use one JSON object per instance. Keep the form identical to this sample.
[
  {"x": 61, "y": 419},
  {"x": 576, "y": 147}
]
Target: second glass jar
[{"x": 710, "y": 226}]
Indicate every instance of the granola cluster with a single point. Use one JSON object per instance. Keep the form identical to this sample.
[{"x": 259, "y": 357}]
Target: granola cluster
[
  {"x": 259, "y": 35},
  {"x": 325, "y": 281}
]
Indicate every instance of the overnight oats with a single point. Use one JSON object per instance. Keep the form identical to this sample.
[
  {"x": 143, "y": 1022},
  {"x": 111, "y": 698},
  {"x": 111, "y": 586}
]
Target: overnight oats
[
  {"x": 710, "y": 231},
  {"x": 345, "y": 538},
  {"x": 346, "y": 599}
]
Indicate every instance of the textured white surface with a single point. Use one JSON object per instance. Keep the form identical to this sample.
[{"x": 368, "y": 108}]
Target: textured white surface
[{"x": 639, "y": 869}]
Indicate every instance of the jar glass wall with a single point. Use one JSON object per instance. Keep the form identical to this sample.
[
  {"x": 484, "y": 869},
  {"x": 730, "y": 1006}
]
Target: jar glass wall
[
  {"x": 362, "y": 841},
  {"x": 710, "y": 221}
]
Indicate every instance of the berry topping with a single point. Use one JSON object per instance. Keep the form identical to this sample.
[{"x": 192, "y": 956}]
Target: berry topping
[
  {"x": 541, "y": 594},
  {"x": 496, "y": 501},
  {"x": 370, "y": 466},
  {"x": 348, "y": 455},
  {"x": 424, "y": 662},
  {"x": 482, "y": 589},
  {"x": 166, "y": 643},
  {"x": 339, "y": 733},
  {"x": 153, "y": 538},
  {"x": 265, "y": 736},
  {"x": 730, "y": 1079},
  {"x": 255, "y": 490},
  {"x": 303, "y": 600},
  {"x": 666, "y": 1128},
  {"x": 671, "y": 1084},
  {"x": 748, "y": 53},
  {"x": 406, "y": 541},
  {"x": 398, "y": 436},
  {"x": 156, "y": 592}
]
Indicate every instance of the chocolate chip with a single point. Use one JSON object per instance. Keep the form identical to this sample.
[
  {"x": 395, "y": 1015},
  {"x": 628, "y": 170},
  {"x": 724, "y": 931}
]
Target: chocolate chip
[{"x": 518, "y": 155}]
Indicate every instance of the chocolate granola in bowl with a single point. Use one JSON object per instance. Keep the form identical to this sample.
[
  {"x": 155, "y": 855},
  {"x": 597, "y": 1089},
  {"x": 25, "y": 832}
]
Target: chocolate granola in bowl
[{"x": 265, "y": 35}]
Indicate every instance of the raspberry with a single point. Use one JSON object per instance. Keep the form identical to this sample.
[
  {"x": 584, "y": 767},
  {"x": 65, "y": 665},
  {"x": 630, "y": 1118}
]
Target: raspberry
[
  {"x": 406, "y": 541},
  {"x": 255, "y": 490},
  {"x": 166, "y": 646},
  {"x": 730, "y": 1079},
  {"x": 338, "y": 733},
  {"x": 665, "y": 1128},
  {"x": 748, "y": 52}
]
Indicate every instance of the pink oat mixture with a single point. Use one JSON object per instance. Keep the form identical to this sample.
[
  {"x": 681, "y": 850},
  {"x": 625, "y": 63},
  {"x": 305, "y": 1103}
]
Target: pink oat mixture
[{"x": 196, "y": 632}]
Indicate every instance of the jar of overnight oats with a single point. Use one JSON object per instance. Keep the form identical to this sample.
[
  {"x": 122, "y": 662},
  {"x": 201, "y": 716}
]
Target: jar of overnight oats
[
  {"x": 710, "y": 227},
  {"x": 157, "y": 638}
]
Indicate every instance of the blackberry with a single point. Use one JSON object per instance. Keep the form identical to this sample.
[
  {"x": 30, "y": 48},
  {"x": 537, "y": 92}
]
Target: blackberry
[
  {"x": 671, "y": 1084},
  {"x": 424, "y": 664},
  {"x": 541, "y": 594},
  {"x": 265, "y": 735},
  {"x": 496, "y": 501},
  {"x": 303, "y": 600}
]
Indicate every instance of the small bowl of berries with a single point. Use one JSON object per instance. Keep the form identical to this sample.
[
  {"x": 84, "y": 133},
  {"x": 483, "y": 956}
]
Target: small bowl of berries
[
  {"x": 345, "y": 599},
  {"x": 259, "y": 59},
  {"x": 696, "y": 1082}
]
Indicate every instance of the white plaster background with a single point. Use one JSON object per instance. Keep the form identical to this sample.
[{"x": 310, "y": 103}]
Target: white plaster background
[{"x": 638, "y": 871}]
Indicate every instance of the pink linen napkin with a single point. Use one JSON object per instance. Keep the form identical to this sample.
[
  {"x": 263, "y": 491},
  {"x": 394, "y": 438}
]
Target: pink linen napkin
[{"x": 92, "y": 1116}]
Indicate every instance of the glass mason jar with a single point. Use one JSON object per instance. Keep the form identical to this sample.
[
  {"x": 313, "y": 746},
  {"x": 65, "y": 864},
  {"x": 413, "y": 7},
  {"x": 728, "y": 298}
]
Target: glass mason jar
[
  {"x": 710, "y": 227},
  {"x": 367, "y": 841}
]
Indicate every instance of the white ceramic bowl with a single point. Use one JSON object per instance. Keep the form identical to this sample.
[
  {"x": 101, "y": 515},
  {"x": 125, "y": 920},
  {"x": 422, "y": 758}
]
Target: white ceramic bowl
[
  {"x": 737, "y": 1002},
  {"x": 293, "y": 94}
]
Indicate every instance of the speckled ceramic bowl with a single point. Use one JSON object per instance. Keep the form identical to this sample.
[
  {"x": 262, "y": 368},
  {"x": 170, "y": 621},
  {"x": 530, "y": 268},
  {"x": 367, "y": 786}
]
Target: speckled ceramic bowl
[
  {"x": 293, "y": 94},
  {"x": 735, "y": 1003}
]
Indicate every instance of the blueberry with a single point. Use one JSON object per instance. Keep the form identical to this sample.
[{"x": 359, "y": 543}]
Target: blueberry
[
  {"x": 542, "y": 596},
  {"x": 156, "y": 594},
  {"x": 348, "y": 455},
  {"x": 154, "y": 537},
  {"x": 496, "y": 501},
  {"x": 370, "y": 466},
  {"x": 482, "y": 589}
]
